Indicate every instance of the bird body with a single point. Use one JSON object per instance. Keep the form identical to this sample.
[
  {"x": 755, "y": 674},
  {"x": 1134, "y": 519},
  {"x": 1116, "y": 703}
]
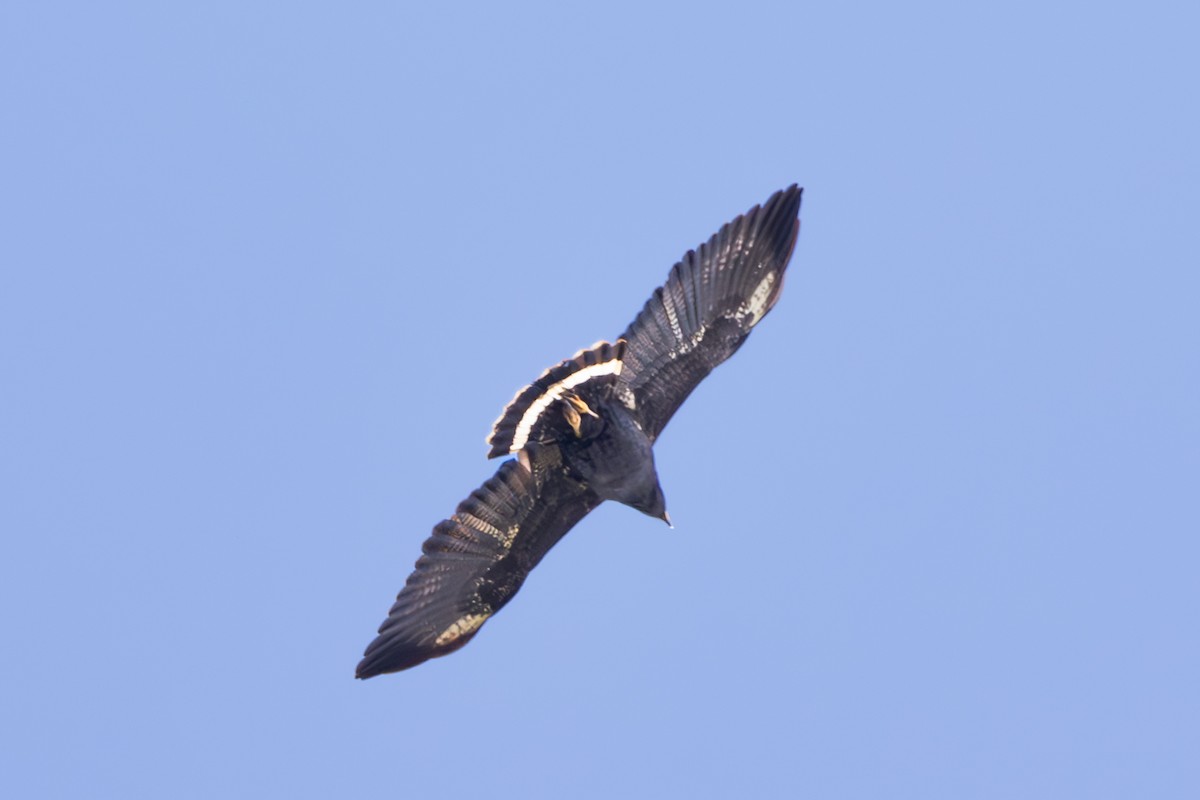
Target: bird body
[
  {"x": 618, "y": 462},
  {"x": 583, "y": 433},
  {"x": 578, "y": 408}
]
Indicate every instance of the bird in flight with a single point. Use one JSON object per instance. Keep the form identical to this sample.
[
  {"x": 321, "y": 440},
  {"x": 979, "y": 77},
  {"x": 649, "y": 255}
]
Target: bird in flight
[{"x": 583, "y": 433}]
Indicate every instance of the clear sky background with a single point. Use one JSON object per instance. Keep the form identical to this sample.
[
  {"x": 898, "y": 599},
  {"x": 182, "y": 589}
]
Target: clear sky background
[{"x": 270, "y": 270}]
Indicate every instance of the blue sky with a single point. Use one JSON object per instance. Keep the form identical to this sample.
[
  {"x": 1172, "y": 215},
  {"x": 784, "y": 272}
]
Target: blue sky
[{"x": 271, "y": 270}]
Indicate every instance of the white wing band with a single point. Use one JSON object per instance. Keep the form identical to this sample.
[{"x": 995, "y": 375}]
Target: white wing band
[{"x": 555, "y": 392}]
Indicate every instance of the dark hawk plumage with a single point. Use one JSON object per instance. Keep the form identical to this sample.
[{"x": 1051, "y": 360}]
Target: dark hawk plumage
[{"x": 583, "y": 433}]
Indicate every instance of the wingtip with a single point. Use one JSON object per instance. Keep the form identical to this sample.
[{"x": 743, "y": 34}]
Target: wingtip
[
  {"x": 789, "y": 197},
  {"x": 370, "y": 664}
]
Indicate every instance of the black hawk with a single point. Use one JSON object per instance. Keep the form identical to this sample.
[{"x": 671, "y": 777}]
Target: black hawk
[{"x": 583, "y": 433}]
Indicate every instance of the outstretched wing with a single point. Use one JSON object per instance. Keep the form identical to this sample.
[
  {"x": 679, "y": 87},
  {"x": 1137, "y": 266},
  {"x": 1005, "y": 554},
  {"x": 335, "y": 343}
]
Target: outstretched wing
[
  {"x": 477, "y": 560},
  {"x": 705, "y": 310}
]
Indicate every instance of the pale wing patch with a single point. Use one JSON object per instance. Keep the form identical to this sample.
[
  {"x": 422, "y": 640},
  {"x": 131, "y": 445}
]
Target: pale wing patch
[
  {"x": 505, "y": 538},
  {"x": 756, "y": 306},
  {"x": 461, "y": 627},
  {"x": 626, "y": 396}
]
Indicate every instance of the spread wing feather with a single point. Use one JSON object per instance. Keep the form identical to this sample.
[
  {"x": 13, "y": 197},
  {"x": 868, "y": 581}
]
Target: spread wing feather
[
  {"x": 477, "y": 560},
  {"x": 705, "y": 310}
]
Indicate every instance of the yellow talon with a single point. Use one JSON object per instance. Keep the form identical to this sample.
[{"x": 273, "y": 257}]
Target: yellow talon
[
  {"x": 581, "y": 406},
  {"x": 573, "y": 418}
]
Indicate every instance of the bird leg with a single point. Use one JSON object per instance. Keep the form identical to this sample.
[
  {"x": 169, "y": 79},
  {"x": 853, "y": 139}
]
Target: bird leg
[
  {"x": 573, "y": 409},
  {"x": 581, "y": 406},
  {"x": 573, "y": 418}
]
